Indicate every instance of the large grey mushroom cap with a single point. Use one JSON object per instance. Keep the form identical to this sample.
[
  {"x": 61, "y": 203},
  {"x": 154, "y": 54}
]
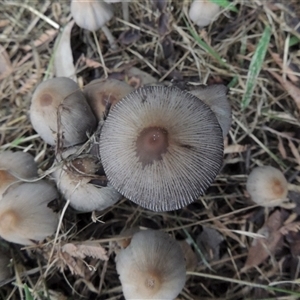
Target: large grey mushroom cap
[
  {"x": 151, "y": 267},
  {"x": 161, "y": 147}
]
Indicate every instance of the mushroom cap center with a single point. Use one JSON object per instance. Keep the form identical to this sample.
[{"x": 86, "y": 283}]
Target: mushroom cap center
[
  {"x": 9, "y": 220},
  {"x": 151, "y": 144},
  {"x": 277, "y": 187},
  {"x": 46, "y": 99}
]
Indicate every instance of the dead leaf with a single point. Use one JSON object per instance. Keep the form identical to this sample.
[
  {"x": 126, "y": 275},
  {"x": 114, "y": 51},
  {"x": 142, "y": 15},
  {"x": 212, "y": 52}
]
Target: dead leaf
[
  {"x": 85, "y": 249},
  {"x": 292, "y": 90},
  {"x": 281, "y": 148},
  {"x": 209, "y": 241},
  {"x": 129, "y": 36},
  {"x": 168, "y": 47},
  {"x": 190, "y": 257},
  {"x": 235, "y": 148},
  {"x": 5, "y": 64},
  {"x": 63, "y": 57},
  {"x": 293, "y": 239},
  {"x": 4, "y": 23},
  {"x": 28, "y": 84},
  {"x": 262, "y": 248},
  {"x": 47, "y": 36},
  {"x": 163, "y": 24},
  {"x": 295, "y": 151}
]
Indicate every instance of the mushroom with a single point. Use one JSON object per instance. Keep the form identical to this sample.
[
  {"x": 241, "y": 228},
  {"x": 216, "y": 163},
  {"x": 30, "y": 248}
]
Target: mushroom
[
  {"x": 102, "y": 95},
  {"x": 24, "y": 213},
  {"x": 215, "y": 97},
  {"x": 267, "y": 186},
  {"x": 4, "y": 266},
  {"x": 15, "y": 166},
  {"x": 93, "y": 15},
  {"x": 161, "y": 147},
  {"x": 58, "y": 107},
  {"x": 203, "y": 12},
  {"x": 81, "y": 180},
  {"x": 151, "y": 267}
]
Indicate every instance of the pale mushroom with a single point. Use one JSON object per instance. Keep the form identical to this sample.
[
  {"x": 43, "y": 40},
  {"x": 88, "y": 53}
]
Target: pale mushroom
[{"x": 151, "y": 267}]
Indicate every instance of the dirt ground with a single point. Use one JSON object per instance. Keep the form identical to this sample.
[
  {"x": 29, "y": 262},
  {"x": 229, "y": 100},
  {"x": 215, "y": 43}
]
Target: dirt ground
[{"x": 253, "y": 48}]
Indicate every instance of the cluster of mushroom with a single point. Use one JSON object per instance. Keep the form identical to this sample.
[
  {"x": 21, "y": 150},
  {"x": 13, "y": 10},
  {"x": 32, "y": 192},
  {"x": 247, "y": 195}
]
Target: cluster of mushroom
[{"x": 160, "y": 147}]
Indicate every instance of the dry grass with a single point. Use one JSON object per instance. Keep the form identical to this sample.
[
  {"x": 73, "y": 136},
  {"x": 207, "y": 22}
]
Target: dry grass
[{"x": 266, "y": 132}]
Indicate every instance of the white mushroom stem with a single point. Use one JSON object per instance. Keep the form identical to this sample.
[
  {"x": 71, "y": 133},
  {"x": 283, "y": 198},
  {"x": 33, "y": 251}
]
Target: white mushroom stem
[{"x": 110, "y": 37}]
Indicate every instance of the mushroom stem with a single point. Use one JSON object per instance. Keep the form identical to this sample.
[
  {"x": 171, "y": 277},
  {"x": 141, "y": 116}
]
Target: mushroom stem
[
  {"x": 125, "y": 8},
  {"x": 110, "y": 37},
  {"x": 100, "y": 55}
]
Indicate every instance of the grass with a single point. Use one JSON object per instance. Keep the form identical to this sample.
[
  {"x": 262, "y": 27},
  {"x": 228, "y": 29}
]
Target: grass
[{"x": 233, "y": 51}]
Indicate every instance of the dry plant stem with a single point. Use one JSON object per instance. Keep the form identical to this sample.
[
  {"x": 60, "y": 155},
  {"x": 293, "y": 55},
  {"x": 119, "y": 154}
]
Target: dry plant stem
[
  {"x": 110, "y": 37},
  {"x": 125, "y": 11},
  {"x": 100, "y": 54}
]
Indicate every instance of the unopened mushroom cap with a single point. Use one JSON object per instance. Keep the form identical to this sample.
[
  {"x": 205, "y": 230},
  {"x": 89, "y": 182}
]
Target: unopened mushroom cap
[
  {"x": 24, "y": 213},
  {"x": 215, "y": 96},
  {"x": 203, "y": 12},
  {"x": 102, "y": 95},
  {"x": 267, "y": 186},
  {"x": 91, "y": 14},
  {"x": 59, "y": 105},
  {"x": 15, "y": 166},
  {"x": 80, "y": 180},
  {"x": 151, "y": 267},
  {"x": 161, "y": 147}
]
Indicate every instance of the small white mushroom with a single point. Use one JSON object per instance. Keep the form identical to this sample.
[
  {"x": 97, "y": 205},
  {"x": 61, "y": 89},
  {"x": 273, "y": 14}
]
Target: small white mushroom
[
  {"x": 15, "y": 166},
  {"x": 59, "y": 108},
  {"x": 79, "y": 179},
  {"x": 267, "y": 186},
  {"x": 24, "y": 213},
  {"x": 203, "y": 12},
  {"x": 151, "y": 267}
]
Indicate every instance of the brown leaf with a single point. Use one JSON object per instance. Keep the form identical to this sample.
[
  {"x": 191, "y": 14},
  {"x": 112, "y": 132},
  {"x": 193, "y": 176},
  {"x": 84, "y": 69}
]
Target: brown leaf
[
  {"x": 5, "y": 64},
  {"x": 262, "y": 248},
  {"x": 129, "y": 36},
  {"x": 293, "y": 239},
  {"x": 163, "y": 24},
  {"x": 85, "y": 249},
  {"x": 295, "y": 151},
  {"x": 293, "y": 91}
]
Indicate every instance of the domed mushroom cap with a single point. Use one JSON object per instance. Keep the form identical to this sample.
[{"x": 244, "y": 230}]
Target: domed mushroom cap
[
  {"x": 91, "y": 14},
  {"x": 267, "y": 186},
  {"x": 151, "y": 267},
  {"x": 81, "y": 181},
  {"x": 215, "y": 96},
  {"x": 15, "y": 166},
  {"x": 203, "y": 12},
  {"x": 59, "y": 101},
  {"x": 102, "y": 95},
  {"x": 24, "y": 214},
  {"x": 161, "y": 147}
]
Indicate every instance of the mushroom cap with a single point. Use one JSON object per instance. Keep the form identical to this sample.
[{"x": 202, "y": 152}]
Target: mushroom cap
[
  {"x": 161, "y": 147},
  {"x": 24, "y": 214},
  {"x": 151, "y": 267},
  {"x": 215, "y": 96},
  {"x": 56, "y": 98},
  {"x": 79, "y": 181},
  {"x": 267, "y": 186},
  {"x": 203, "y": 12},
  {"x": 91, "y": 14},
  {"x": 15, "y": 166},
  {"x": 102, "y": 95}
]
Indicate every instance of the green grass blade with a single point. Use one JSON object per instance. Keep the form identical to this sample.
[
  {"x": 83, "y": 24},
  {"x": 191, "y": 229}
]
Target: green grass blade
[
  {"x": 256, "y": 65},
  {"x": 225, "y": 4},
  {"x": 28, "y": 295},
  {"x": 294, "y": 40}
]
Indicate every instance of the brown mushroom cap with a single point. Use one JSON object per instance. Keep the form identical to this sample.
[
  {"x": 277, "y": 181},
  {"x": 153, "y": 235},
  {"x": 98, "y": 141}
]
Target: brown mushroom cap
[
  {"x": 24, "y": 213},
  {"x": 102, "y": 95},
  {"x": 215, "y": 96},
  {"x": 60, "y": 99},
  {"x": 151, "y": 267},
  {"x": 267, "y": 186},
  {"x": 161, "y": 147},
  {"x": 15, "y": 166},
  {"x": 91, "y": 15}
]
